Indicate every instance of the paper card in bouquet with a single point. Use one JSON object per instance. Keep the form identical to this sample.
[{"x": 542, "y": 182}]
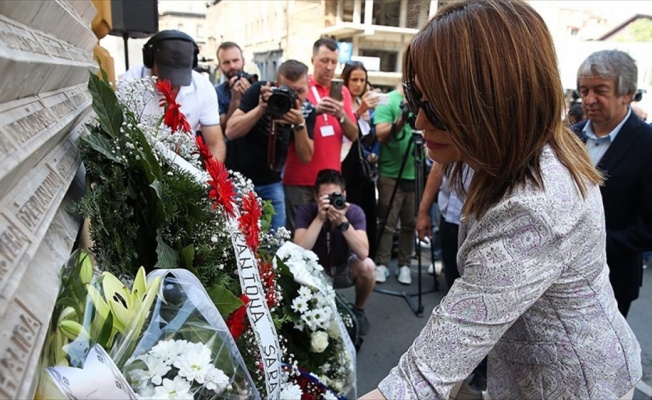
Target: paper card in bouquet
[{"x": 99, "y": 379}]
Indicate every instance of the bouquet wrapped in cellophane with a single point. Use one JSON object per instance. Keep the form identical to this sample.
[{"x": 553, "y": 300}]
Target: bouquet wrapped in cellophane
[
  {"x": 163, "y": 338},
  {"x": 316, "y": 333}
]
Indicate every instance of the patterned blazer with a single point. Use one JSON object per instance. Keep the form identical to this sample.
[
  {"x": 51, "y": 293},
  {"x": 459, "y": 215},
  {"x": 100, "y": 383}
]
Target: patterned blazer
[{"x": 535, "y": 296}]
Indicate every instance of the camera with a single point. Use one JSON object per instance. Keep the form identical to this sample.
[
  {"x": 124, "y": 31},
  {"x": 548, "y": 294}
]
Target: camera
[
  {"x": 408, "y": 117},
  {"x": 252, "y": 78},
  {"x": 281, "y": 100},
  {"x": 337, "y": 200}
]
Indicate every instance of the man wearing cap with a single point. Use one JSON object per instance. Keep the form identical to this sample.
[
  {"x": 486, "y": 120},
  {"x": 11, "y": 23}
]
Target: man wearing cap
[{"x": 172, "y": 55}]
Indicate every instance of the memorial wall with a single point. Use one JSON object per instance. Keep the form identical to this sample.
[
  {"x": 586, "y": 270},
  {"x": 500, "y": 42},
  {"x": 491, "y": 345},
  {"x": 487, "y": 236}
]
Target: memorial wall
[{"x": 46, "y": 53}]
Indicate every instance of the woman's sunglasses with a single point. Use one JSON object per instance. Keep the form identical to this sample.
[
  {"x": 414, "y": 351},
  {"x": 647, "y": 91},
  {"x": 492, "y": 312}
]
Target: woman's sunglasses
[{"x": 413, "y": 97}]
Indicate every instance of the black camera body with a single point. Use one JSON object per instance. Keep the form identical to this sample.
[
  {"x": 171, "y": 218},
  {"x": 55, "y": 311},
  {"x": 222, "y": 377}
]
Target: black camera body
[
  {"x": 408, "y": 117},
  {"x": 337, "y": 200},
  {"x": 252, "y": 78},
  {"x": 281, "y": 101}
]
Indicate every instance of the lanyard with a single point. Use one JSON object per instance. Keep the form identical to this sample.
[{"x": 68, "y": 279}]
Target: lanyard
[{"x": 317, "y": 100}]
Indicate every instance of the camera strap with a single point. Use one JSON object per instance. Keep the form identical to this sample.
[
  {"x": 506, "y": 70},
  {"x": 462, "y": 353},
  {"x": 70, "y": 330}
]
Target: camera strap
[{"x": 271, "y": 145}]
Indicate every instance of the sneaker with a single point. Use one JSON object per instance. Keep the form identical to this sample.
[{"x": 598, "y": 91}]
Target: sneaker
[
  {"x": 381, "y": 273},
  {"x": 425, "y": 243},
  {"x": 404, "y": 275},
  {"x": 363, "y": 322},
  {"x": 435, "y": 268}
]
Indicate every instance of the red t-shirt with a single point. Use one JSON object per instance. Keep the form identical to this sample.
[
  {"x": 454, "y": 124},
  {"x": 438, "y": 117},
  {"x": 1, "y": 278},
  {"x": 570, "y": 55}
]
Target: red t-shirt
[{"x": 328, "y": 141}]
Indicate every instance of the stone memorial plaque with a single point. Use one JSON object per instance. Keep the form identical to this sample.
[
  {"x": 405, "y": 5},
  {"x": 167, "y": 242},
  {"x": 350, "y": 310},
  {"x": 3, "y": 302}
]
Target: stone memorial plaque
[
  {"x": 33, "y": 62},
  {"x": 46, "y": 51},
  {"x": 33, "y": 124}
]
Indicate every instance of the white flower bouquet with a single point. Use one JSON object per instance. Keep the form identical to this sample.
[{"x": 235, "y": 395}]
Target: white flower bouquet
[
  {"x": 185, "y": 349},
  {"x": 162, "y": 338},
  {"x": 313, "y": 328}
]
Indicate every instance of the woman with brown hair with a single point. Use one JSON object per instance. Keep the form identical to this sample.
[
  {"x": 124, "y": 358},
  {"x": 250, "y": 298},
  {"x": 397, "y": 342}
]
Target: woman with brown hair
[
  {"x": 534, "y": 292},
  {"x": 361, "y": 189}
]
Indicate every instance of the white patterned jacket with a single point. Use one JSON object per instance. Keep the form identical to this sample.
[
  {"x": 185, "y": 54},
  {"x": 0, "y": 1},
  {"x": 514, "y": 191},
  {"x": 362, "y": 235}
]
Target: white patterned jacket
[{"x": 534, "y": 294}]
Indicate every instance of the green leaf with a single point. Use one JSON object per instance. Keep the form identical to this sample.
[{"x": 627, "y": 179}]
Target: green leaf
[
  {"x": 157, "y": 202},
  {"x": 187, "y": 256},
  {"x": 167, "y": 257},
  {"x": 106, "y": 336},
  {"x": 267, "y": 213},
  {"x": 106, "y": 105},
  {"x": 105, "y": 76},
  {"x": 225, "y": 301},
  {"x": 102, "y": 146},
  {"x": 148, "y": 160}
]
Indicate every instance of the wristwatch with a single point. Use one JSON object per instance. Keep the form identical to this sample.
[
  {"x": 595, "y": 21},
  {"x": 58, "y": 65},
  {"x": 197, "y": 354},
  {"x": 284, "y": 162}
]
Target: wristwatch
[
  {"x": 342, "y": 118},
  {"x": 344, "y": 226},
  {"x": 298, "y": 127}
]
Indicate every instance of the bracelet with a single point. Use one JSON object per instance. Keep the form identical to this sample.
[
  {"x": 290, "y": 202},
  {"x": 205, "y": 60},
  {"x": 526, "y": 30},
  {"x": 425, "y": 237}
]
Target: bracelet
[{"x": 342, "y": 118}]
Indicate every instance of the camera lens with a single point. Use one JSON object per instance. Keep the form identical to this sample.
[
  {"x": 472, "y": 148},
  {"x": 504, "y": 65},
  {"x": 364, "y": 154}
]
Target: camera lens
[{"x": 337, "y": 200}]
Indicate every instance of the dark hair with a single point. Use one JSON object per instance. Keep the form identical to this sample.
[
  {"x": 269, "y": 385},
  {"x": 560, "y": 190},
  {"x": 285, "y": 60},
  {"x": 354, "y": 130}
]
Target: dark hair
[
  {"x": 500, "y": 115},
  {"x": 327, "y": 176},
  {"x": 293, "y": 70},
  {"x": 351, "y": 66},
  {"x": 226, "y": 46},
  {"x": 576, "y": 111},
  {"x": 330, "y": 44}
]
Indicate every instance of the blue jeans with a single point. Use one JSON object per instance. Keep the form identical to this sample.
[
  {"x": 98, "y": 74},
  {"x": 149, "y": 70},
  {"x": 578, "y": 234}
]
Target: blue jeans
[{"x": 275, "y": 193}]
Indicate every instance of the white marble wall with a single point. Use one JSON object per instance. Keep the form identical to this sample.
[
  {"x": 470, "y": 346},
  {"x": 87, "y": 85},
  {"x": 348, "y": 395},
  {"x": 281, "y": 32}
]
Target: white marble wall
[{"x": 45, "y": 58}]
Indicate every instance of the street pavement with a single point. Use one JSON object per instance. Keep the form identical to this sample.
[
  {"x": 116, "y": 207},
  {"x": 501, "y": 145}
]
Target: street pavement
[{"x": 394, "y": 325}]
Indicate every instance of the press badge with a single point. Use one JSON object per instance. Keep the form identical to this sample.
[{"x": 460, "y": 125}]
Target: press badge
[{"x": 327, "y": 130}]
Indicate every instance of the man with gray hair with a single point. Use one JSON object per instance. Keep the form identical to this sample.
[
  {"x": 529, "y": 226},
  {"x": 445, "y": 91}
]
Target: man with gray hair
[{"x": 619, "y": 145}]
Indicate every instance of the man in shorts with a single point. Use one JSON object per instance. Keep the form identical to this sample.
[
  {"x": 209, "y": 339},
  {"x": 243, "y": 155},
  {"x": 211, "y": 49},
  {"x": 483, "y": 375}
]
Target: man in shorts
[{"x": 336, "y": 231}]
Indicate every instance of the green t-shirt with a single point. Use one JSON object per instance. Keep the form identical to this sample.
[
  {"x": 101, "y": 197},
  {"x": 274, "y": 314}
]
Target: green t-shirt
[{"x": 391, "y": 153}]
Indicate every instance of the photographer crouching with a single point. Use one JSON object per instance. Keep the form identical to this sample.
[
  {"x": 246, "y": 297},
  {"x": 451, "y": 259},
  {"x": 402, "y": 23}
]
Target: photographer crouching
[
  {"x": 337, "y": 232},
  {"x": 271, "y": 117}
]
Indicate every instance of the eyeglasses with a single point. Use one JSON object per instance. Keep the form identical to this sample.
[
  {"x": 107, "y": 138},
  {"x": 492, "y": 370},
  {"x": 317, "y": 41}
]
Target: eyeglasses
[{"x": 413, "y": 96}]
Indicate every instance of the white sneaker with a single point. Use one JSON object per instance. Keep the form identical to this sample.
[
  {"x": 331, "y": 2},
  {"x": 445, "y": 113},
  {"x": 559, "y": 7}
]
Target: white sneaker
[
  {"x": 381, "y": 273},
  {"x": 404, "y": 275},
  {"x": 435, "y": 268}
]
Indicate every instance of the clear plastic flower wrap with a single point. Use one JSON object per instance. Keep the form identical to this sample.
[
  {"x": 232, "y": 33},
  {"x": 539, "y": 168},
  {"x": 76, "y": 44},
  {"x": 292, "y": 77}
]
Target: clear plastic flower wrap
[
  {"x": 185, "y": 349},
  {"x": 161, "y": 338}
]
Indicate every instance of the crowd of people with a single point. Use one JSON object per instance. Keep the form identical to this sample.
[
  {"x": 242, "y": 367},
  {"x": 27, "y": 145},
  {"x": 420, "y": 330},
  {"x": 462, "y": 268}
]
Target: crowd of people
[{"x": 543, "y": 220}]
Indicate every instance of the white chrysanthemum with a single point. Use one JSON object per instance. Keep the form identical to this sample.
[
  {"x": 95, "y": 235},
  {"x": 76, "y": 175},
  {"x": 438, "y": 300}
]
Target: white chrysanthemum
[
  {"x": 146, "y": 392},
  {"x": 322, "y": 317},
  {"x": 305, "y": 292},
  {"x": 178, "y": 388},
  {"x": 156, "y": 368},
  {"x": 290, "y": 391},
  {"x": 194, "y": 363},
  {"x": 329, "y": 395},
  {"x": 300, "y": 325},
  {"x": 309, "y": 318},
  {"x": 300, "y": 304},
  {"x": 167, "y": 350},
  {"x": 216, "y": 379}
]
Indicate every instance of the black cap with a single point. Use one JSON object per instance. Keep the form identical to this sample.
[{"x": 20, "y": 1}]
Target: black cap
[{"x": 174, "y": 60}]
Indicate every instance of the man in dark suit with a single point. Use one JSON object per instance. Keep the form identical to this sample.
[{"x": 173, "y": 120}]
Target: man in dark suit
[{"x": 620, "y": 145}]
